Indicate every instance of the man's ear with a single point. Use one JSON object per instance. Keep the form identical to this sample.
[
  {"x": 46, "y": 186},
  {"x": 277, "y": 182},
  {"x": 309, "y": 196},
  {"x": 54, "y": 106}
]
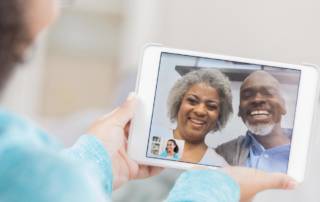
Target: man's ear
[
  {"x": 240, "y": 114},
  {"x": 283, "y": 106}
]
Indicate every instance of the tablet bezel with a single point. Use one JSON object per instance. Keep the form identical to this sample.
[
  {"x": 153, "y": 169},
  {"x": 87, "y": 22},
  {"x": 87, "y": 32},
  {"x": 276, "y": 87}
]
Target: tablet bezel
[{"x": 146, "y": 89}]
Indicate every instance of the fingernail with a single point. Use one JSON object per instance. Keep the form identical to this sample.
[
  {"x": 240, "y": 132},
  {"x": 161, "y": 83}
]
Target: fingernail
[
  {"x": 131, "y": 96},
  {"x": 292, "y": 184}
]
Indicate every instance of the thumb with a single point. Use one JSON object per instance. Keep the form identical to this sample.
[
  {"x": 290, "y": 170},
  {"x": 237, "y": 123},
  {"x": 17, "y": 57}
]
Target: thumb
[
  {"x": 252, "y": 181},
  {"x": 123, "y": 114},
  {"x": 263, "y": 181},
  {"x": 279, "y": 181}
]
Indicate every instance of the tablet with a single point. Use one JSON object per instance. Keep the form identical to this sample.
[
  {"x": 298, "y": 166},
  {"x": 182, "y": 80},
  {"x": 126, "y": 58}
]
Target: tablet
[{"x": 201, "y": 109}]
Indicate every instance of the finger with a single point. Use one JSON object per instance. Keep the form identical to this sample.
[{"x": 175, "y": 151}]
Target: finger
[
  {"x": 127, "y": 129},
  {"x": 280, "y": 181},
  {"x": 264, "y": 181},
  {"x": 147, "y": 171},
  {"x": 246, "y": 200},
  {"x": 154, "y": 170},
  {"x": 260, "y": 180},
  {"x": 125, "y": 112}
]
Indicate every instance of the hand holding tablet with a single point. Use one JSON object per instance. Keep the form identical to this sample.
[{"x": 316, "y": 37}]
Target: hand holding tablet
[{"x": 187, "y": 99}]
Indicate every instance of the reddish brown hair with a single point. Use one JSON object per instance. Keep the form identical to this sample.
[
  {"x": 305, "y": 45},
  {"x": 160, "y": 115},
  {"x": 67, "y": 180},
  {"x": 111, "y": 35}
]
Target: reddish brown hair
[{"x": 14, "y": 36}]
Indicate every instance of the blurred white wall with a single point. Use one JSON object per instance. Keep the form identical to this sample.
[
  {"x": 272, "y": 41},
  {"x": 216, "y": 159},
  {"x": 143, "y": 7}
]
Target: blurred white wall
[
  {"x": 23, "y": 91},
  {"x": 282, "y": 31}
]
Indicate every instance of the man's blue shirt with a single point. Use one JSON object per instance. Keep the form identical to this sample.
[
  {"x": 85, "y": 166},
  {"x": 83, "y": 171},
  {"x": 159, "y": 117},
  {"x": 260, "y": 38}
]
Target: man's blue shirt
[{"x": 272, "y": 160}]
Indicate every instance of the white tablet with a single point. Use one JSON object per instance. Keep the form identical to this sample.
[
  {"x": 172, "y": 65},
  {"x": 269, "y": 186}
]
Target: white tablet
[{"x": 215, "y": 110}]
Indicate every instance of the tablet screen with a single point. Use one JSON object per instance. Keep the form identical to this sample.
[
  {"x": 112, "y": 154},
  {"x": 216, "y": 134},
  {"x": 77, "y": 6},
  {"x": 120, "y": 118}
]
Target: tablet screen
[{"x": 219, "y": 112}]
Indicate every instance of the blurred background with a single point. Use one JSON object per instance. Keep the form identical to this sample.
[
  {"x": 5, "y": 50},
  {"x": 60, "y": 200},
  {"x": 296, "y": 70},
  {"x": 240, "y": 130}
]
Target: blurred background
[{"x": 86, "y": 63}]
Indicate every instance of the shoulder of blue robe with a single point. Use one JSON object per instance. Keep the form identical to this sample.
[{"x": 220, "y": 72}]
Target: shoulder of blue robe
[
  {"x": 40, "y": 175},
  {"x": 15, "y": 128}
]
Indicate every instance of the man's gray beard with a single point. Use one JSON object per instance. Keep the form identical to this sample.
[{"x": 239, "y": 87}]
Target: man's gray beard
[{"x": 263, "y": 129}]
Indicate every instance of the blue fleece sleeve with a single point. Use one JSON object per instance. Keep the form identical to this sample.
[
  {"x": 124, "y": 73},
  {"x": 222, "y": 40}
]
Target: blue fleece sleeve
[
  {"x": 33, "y": 169},
  {"x": 40, "y": 175},
  {"x": 204, "y": 186},
  {"x": 89, "y": 149}
]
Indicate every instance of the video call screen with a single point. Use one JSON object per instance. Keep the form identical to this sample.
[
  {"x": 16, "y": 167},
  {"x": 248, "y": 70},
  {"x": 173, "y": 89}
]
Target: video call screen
[{"x": 195, "y": 120}]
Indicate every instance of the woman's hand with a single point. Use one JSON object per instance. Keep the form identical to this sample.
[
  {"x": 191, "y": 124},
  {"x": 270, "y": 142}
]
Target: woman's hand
[
  {"x": 112, "y": 129},
  {"x": 252, "y": 181}
]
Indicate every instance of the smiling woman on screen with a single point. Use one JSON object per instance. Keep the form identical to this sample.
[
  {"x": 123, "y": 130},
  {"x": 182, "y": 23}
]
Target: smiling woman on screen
[{"x": 200, "y": 102}]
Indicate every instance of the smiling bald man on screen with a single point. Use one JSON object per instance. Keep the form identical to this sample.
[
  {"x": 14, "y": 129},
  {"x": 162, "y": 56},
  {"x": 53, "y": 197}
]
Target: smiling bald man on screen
[{"x": 266, "y": 145}]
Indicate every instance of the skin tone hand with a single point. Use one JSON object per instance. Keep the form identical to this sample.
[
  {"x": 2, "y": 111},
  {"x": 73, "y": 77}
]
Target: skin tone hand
[
  {"x": 112, "y": 129},
  {"x": 252, "y": 181}
]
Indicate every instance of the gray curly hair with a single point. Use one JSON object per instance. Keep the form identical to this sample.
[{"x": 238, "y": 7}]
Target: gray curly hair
[{"x": 211, "y": 77}]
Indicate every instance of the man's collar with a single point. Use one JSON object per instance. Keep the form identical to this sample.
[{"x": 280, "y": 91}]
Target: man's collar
[
  {"x": 254, "y": 144},
  {"x": 259, "y": 148},
  {"x": 286, "y": 131}
]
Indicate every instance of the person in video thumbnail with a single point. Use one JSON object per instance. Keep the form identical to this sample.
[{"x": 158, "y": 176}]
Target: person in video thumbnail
[{"x": 171, "y": 151}]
